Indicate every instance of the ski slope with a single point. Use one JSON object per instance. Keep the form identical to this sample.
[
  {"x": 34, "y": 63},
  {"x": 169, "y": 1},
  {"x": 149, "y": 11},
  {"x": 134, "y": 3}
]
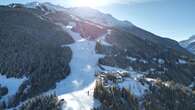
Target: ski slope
[
  {"x": 80, "y": 100},
  {"x": 77, "y": 88}
]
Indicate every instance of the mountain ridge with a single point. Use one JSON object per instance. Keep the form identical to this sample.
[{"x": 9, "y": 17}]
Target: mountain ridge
[
  {"x": 107, "y": 20},
  {"x": 189, "y": 44}
]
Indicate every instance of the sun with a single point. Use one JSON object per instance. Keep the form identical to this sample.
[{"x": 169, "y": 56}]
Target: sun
[{"x": 88, "y": 3}]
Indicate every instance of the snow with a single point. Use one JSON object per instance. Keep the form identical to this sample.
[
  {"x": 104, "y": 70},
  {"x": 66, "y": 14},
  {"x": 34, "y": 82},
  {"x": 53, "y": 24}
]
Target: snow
[
  {"x": 181, "y": 61},
  {"x": 35, "y": 5},
  {"x": 131, "y": 58},
  {"x": 151, "y": 79},
  {"x": 69, "y": 27},
  {"x": 167, "y": 84},
  {"x": 12, "y": 84},
  {"x": 134, "y": 86},
  {"x": 187, "y": 42},
  {"x": 143, "y": 61},
  {"x": 154, "y": 59},
  {"x": 152, "y": 69},
  {"x": 13, "y": 5},
  {"x": 98, "y": 17},
  {"x": 50, "y": 7},
  {"x": 133, "y": 74},
  {"x": 161, "y": 61},
  {"x": 54, "y": 8},
  {"x": 131, "y": 83},
  {"x": 109, "y": 31},
  {"x": 32, "y": 5},
  {"x": 82, "y": 12},
  {"x": 75, "y": 18},
  {"x": 102, "y": 39},
  {"x": 192, "y": 85},
  {"x": 73, "y": 89},
  {"x": 77, "y": 88},
  {"x": 112, "y": 69},
  {"x": 80, "y": 100}
]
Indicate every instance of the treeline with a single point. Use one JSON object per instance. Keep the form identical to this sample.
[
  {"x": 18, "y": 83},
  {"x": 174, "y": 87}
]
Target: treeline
[
  {"x": 172, "y": 97},
  {"x": 168, "y": 70},
  {"x": 126, "y": 45},
  {"x": 3, "y": 91},
  {"x": 49, "y": 102},
  {"x": 161, "y": 95},
  {"x": 113, "y": 98},
  {"x": 31, "y": 47}
]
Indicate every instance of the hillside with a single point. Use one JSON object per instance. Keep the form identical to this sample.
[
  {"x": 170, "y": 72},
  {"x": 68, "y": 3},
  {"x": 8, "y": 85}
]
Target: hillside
[{"x": 62, "y": 59}]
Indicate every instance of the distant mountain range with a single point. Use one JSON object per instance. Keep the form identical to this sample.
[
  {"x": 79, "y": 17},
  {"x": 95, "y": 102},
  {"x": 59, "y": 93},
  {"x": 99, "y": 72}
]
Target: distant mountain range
[
  {"x": 89, "y": 60},
  {"x": 189, "y": 44}
]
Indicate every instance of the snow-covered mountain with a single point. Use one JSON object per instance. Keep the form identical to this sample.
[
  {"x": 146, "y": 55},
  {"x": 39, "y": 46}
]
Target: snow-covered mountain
[
  {"x": 106, "y": 20},
  {"x": 83, "y": 12},
  {"x": 189, "y": 44},
  {"x": 44, "y": 6},
  {"x": 98, "y": 17},
  {"x": 88, "y": 60}
]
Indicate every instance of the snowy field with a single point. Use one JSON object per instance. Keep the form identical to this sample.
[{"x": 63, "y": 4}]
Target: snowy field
[{"x": 12, "y": 84}]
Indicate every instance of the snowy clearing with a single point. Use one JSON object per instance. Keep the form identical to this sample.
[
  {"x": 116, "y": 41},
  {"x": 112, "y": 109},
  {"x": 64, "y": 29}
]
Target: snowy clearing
[
  {"x": 131, "y": 83},
  {"x": 181, "y": 61},
  {"x": 12, "y": 84},
  {"x": 134, "y": 86}
]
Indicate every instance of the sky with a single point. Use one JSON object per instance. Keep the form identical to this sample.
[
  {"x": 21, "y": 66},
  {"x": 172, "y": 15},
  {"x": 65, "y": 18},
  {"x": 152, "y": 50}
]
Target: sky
[{"x": 174, "y": 19}]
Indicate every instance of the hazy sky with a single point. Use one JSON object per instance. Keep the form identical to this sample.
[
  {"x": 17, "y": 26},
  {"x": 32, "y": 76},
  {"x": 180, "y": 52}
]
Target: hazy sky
[{"x": 168, "y": 18}]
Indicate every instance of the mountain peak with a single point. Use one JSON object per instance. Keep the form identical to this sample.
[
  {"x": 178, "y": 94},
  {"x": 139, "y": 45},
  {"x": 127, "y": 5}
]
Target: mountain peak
[
  {"x": 86, "y": 13},
  {"x": 45, "y": 6},
  {"x": 33, "y": 4},
  {"x": 192, "y": 37},
  {"x": 189, "y": 44},
  {"x": 99, "y": 17}
]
